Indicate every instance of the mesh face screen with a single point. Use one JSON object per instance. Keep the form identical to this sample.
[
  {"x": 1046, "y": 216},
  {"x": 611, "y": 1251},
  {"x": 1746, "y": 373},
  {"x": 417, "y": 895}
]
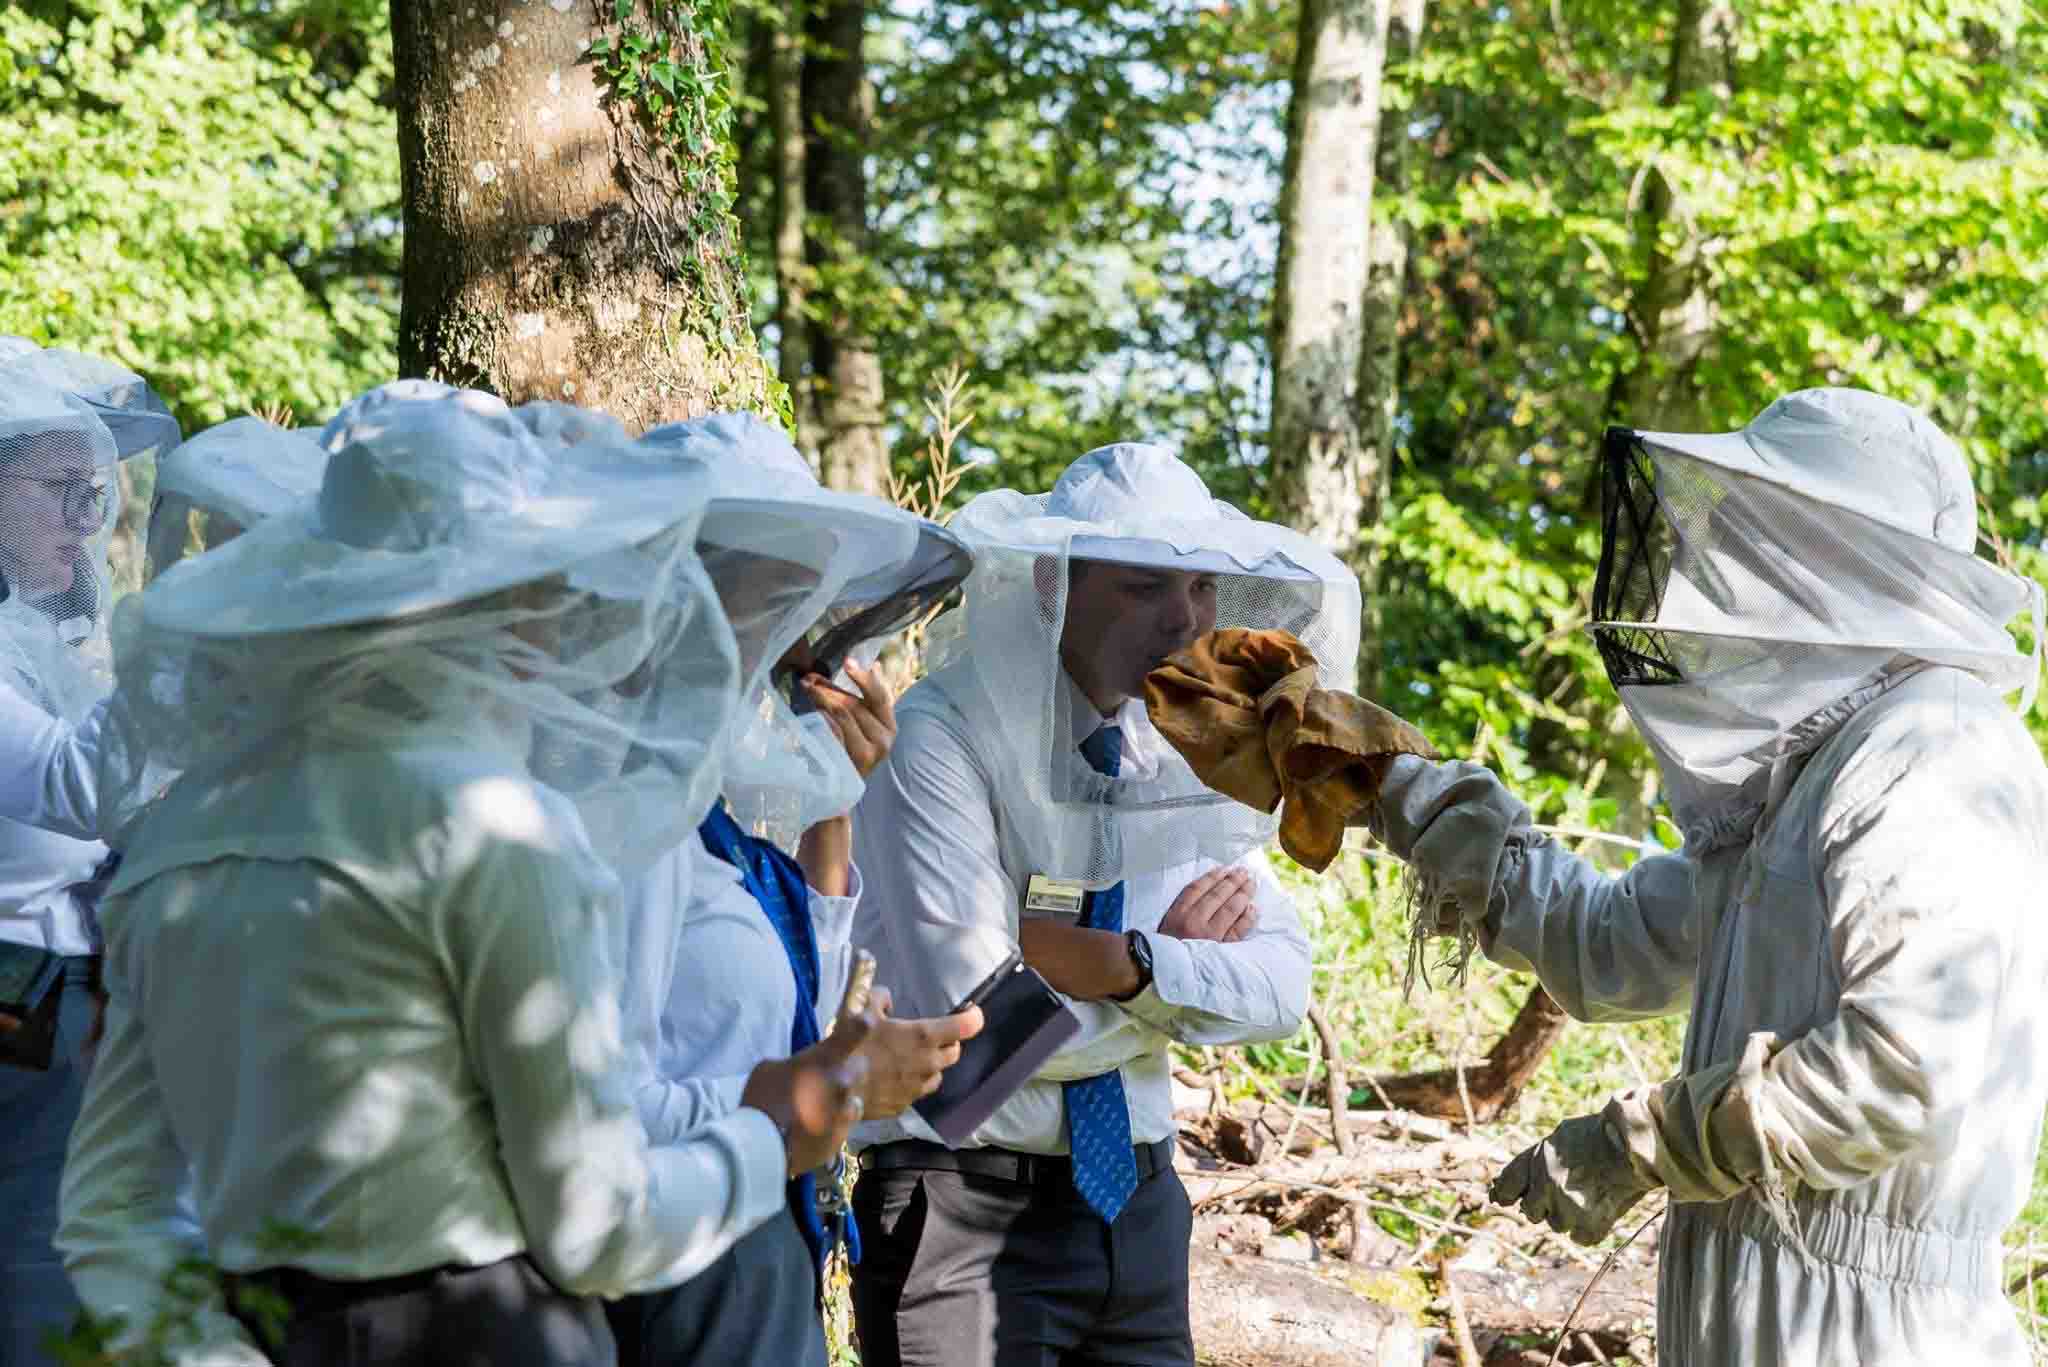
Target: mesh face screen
[
  {"x": 1637, "y": 542},
  {"x": 65, "y": 507},
  {"x": 845, "y": 628}
]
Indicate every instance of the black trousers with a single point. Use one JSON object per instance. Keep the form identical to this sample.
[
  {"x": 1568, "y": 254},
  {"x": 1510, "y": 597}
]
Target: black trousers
[
  {"x": 504, "y": 1313},
  {"x": 755, "y": 1307},
  {"x": 963, "y": 1270}
]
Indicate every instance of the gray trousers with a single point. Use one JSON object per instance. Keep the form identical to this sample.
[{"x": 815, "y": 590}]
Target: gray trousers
[
  {"x": 961, "y": 1270},
  {"x": 503, "y": 1314},
  {"x": 37, "y": 1110},
  {"x": 755, "y": 1307}
]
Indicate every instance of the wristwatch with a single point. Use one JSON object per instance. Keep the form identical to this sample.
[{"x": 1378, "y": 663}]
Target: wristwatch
[{"x": 1141, "y": 955}]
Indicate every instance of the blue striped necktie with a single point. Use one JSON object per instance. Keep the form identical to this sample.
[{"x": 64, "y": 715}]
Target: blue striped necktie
[{"x": 1098, "y": 1120}]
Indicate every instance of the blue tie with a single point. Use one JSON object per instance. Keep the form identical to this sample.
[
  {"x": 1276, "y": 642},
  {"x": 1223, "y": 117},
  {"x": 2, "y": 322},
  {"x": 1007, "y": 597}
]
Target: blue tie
[{"x": 1098, "y": 1120}]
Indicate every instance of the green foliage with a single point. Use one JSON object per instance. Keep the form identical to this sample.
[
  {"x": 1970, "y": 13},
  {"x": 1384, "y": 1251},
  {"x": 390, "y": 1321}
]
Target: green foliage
[{"x": 208, "y": 193}]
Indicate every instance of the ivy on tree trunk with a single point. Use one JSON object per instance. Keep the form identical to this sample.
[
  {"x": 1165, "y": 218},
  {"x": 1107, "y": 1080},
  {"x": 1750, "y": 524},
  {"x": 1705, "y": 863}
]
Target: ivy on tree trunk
[{"x": 567, "y": 192}]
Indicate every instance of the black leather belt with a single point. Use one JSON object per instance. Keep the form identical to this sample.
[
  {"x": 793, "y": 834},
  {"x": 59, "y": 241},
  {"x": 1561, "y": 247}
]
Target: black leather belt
[
  {"x": 1055, "y": 1170},
  {"x": 309, "y": 1294}
]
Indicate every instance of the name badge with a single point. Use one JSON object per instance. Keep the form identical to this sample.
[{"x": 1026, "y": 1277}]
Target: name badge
[{"x": 1050, "y": 897}]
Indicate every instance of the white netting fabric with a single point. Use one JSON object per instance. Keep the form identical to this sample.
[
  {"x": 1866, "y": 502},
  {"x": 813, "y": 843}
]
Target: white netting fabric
[
  {"x": 808, "y": 578},
  {"x": 136, "y": 419},
  {"x": 998, "y": 659},
  {"x": 1750, "y": 580},
  {"x": 58, "y": 503},
  {"x": 451, "y": 576},
  {"x": 223, "y": 480}
]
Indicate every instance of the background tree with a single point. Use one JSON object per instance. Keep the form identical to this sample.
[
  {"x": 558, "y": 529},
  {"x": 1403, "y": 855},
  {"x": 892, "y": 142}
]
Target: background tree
[
  {"x": 1317, "y": 477},
  {"x": 568, "y": 232}
]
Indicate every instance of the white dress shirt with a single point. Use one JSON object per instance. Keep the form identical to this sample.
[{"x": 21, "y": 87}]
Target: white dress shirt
[
  {"x": 729, "y": 996},
  {"x": 372, "y": 995},
  {"x": 941, "y": 912},
  {"x": 49, "y": 824}
]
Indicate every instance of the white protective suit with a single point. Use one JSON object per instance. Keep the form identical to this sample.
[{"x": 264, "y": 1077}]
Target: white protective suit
[{"x": 1851, "y": 918}]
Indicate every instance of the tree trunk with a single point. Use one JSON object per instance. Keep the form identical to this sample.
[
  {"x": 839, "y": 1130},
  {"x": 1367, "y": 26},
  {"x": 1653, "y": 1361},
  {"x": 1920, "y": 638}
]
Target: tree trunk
[
  {"x": 1317, "y": 445},
  {"x": 792, "y": 271},
  {"x": 845, "y": 371},
  {"x": 1492, "y": 1086},
  {"x": 1248, "y": 1312},
  {"x": 1672, "y": 313},
  {"x": 1379, "y": 377},
  {"x": 562, "y": 242}
]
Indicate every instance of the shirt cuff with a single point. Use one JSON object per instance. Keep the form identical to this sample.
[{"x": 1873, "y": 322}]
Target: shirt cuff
[
  {"x": 763, "y": 1164},
  {"x": 1173, "y": 974},
  {"x": 832, "y": 917}
]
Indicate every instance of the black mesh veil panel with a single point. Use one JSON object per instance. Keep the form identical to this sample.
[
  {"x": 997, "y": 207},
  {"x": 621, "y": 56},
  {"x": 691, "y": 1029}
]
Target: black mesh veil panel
[
  {"x": 874, "y": 609},
  {"x": 1635, "y": 561}
]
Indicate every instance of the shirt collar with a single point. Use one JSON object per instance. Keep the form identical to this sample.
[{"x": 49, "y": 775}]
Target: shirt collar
[{"x": 1141, "y": 740}]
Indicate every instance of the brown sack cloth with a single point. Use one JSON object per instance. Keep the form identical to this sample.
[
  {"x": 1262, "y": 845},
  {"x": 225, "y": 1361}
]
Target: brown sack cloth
[{"x": 1243, "y": 709}]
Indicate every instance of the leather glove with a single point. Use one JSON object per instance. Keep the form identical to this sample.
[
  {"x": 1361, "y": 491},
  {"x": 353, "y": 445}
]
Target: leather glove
[{"x": 1579, "y": 1181}]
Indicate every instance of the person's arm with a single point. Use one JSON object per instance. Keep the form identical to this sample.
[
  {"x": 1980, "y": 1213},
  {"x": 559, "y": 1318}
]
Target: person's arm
[
  {"x": 1607, "y": 948},
  {"x": 1240, "y": 991},
  {"x": 122, "y": 1228},
  {"x": 49, "y": 769},
  {"x": 605, "y": 1212},
  {"x": 832, "y": 923},
  {"x": 1930, "y": 859},
  {"x": 939, "y": 912}
]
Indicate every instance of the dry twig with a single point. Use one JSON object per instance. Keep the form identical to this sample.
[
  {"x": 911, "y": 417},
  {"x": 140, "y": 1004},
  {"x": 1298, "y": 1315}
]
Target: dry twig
[
  {"x": 1461, "y": 1324},
  {"x": 1580, "y": 1303}
]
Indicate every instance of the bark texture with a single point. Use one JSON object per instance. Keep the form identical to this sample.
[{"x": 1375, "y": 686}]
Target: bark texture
[
  {"x": 1317, "y": 441},
  {"x": 1672, "y": 312},
  {"x": 846, "y": 372},
  {"x": 1249, "y": 1312},
  {"x": 1379, "y": 376},
  {"x": 792, "y": 271},
  {"x": 554, "y": 249}
]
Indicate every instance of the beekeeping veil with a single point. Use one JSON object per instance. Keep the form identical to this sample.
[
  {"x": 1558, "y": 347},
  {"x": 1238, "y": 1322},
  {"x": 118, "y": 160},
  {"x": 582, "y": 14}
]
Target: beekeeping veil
[
  {"x": 998, "y": 659},
  {"x": 137, "y": 420},
  {"x": 1751, "y": 581},
  {"x": 58, "y": 502},
  {"x": 807, "y": 573},
  {"x": 453, "y": 577},
  {"x": 226, "y": 479}
]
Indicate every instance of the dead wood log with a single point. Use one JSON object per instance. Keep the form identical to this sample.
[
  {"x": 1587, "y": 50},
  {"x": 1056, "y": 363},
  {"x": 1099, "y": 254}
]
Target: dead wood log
[
  {"x": 1490, "y": 1086},
  {"x": 1251, "y": 1312},
  {"x": 1621, "y": 1308}
]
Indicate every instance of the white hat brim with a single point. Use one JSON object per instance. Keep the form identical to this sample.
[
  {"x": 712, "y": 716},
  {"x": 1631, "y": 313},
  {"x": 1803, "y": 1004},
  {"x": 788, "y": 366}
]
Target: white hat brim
[{"x": 283, "y": 576}]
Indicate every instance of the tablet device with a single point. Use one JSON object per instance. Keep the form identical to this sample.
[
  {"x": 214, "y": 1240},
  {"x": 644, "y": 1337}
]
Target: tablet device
[{"x": 1024, "y": 1023}]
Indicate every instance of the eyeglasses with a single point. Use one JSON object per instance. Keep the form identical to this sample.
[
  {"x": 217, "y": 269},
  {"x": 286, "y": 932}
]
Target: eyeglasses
[{"x": 84, "y": 501}]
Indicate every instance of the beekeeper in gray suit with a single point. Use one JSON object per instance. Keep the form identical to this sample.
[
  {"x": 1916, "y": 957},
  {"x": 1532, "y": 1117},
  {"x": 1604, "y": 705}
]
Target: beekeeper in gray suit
[{"x": 1796, "y": 621}]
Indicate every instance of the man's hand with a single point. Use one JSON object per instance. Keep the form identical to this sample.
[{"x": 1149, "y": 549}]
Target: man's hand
[
  {"x": 1216, "y": 906},
  {"x": 1087, "y": 965},
  {"x": 8, "y": 1023},
  {"x": 906, "y": 1057},
  {"x": 865, "y": 722},
  {"x": 815, "y": 1097}
]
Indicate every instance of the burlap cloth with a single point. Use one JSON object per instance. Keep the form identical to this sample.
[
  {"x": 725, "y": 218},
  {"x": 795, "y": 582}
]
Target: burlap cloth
[{"x": 1243, "y": 709}]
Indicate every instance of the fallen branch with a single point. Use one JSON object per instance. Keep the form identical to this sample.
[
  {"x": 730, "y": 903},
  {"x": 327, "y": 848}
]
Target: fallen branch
[
  {"x": 1474, "y": 1095},
  {"x": 1337, "y": 1084},
  {"x": 1461, "y": 1326}
]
